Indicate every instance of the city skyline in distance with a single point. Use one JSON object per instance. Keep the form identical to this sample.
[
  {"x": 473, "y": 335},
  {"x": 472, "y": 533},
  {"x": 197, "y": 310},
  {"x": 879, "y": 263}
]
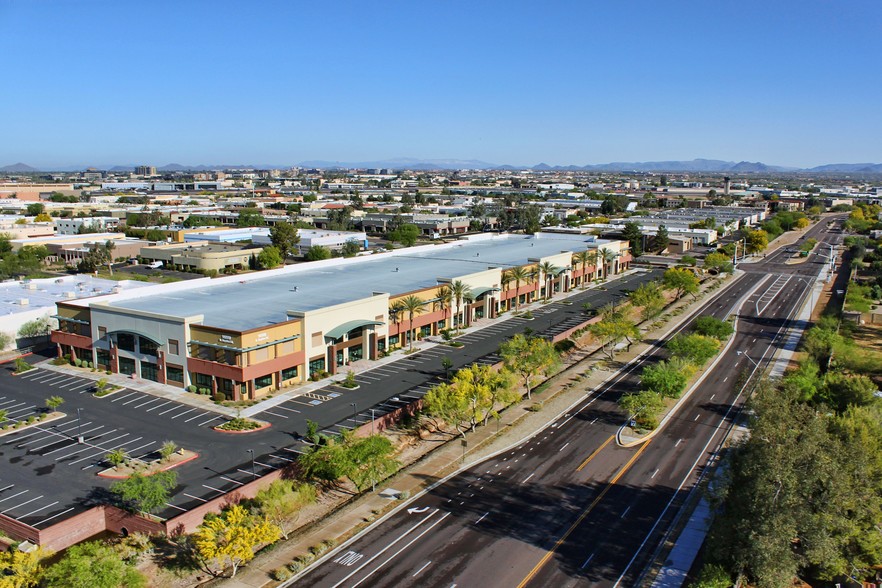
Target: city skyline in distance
[{"x": 101, "y": 82}]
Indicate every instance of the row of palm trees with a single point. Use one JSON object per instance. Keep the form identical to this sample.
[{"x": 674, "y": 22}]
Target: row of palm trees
[{"x": 457, "y": 292}]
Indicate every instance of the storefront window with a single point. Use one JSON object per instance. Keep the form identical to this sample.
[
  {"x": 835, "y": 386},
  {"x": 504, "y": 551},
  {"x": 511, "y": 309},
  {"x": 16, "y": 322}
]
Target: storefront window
[
  {"x": 289, "y": 373},
  {"x": 125, "y": 341},
  {"x": 263, "y": 381},
  {"x": 316, "y": 365},
  {"x": 174, "y": 374},
  {"x": 149, "y": 371},
  {"x": 126, "y": 366}
]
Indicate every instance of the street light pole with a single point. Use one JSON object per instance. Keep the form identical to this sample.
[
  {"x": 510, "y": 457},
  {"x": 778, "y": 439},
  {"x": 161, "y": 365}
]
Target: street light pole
[
  {"x": 79, "y": 426},
  {"x": 251, "y": 451},
  {"x": 372, "y": 422},
  {"x": 354, "y": 414}
]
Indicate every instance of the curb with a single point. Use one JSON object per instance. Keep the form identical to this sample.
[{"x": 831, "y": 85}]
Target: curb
[{"x": 165, "y": 469}]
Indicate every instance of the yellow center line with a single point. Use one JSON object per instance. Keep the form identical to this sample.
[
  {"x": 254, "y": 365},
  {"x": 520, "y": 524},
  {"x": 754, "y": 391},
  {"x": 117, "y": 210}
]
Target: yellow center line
[
  {"x": 584, "y": 514},
  {"x": 594, "y": 453}
]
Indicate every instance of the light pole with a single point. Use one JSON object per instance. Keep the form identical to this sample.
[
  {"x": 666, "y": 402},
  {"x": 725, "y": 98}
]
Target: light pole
[
  {"x": 354, "y": 414},
  {"x": 748, "y": 357},
  {"x": 372, "y": 422},
  {"x": 251, "y": 451},
  {"x": 79, "y": 426}
]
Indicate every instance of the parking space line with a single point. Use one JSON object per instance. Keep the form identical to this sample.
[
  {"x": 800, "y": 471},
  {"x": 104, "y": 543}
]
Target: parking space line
[
  {"x": 232, "y": 480},
  {"x": 55, "y": 516},
  {"x": 151, "y": 401},
  {"x": 285, "y": 459},
  {"x": 14, "y": 495},
  {"x": 129, "y": 395},
  {"x": 38, "y": 510},
  {"x": 194, "y": 497},
  {"x": 280, "y": 407},
  {"x": 196, "y": 417},
  {"x": 275, "y": 414},
  {"x": 82, "y": 387},
  {"x": 22, "y": 504},
  {"x": 292, "y": 450},
  {"x": 138, "y": 397},
  {"x": 175, "y": 407},
  {"x": 55, "y": 434},
  {"x": 181, "y": 413},
  {"x": 71, "y": 383},
  {"x": 209, "y": 420},
  {"x": 159, "y": 406},
  {"x": 177, "y": 507},
  {"x": 213, "y": 488}
]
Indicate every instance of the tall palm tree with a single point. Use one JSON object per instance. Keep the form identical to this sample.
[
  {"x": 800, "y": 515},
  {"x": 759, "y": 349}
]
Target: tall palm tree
[
  {"x": 517, "y": 275},
  {"x": 608, "y": 256},
  {"x": 547, "y": 269},
  {"x": 412, "y": 305},
  {"x": 442, "y": 299},
  {"x": 582, "y": 258},
  {"x": 592, "y": 259},
  {"x": 459, "y": 291}
]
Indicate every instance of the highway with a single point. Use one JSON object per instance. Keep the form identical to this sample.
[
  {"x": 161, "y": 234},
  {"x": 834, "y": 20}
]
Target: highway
[{"x": 570, "y": 507}]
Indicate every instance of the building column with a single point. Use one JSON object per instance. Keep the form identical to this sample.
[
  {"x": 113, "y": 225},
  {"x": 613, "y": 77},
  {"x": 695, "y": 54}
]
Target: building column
[
  {"x": 160, "y": 366},
  {"x": 372, "y": 345},
  {"x": 114, "y": 360},
  {"x": 331, "y": 360},
  {"x": 213, "y": 386}
]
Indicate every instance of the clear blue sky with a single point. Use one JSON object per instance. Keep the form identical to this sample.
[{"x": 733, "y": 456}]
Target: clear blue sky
[{"x": 96, "y": 82}]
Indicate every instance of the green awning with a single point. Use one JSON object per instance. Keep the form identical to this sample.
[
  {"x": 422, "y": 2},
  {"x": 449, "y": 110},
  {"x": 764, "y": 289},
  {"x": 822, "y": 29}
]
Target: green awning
[
  {"x": 341, "y": 330},
  {"x": 243, "y": 349},
  {"x": 478, "y": 292}
]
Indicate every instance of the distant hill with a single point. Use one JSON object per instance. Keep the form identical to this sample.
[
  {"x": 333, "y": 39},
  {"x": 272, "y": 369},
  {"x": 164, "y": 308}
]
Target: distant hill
[
  {"x": 410, "y": 163},
  {"x": 19, "y": 168}
]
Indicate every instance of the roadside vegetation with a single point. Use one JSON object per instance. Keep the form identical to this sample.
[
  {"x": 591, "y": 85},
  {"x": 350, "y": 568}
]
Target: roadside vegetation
[{"x": 800, "y": 498}]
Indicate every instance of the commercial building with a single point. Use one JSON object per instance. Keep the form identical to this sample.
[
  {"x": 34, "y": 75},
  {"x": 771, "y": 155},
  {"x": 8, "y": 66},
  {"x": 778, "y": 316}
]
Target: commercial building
[
  {"x": 246, "y": 336},
  {"x": 201, "y": 256}
]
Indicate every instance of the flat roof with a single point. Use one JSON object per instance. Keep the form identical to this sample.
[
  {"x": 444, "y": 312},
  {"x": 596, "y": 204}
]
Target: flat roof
[
  {"x": 44, "y": 293},
  {"x": 247, "y": 302}
]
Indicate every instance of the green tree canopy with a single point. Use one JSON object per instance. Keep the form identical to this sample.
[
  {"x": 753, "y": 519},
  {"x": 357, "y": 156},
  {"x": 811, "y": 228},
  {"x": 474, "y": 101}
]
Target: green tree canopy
[
  {"x": 681, "y": 280},
  {"x": 528, "y": 357},
  {"x": 92, "y": 565},
  {"x": 406, "y": 234},
  {"x": 145, "y": 493},
  {"x": 317, "y": 253},
  {"x": 269, "y": 257},
  {"x": 284, "y": 237}
]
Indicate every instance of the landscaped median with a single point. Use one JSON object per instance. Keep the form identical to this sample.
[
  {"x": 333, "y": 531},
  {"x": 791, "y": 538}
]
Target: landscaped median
[{"x": 663, "y": 384}]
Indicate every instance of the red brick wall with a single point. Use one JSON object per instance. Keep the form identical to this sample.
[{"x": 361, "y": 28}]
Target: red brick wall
[
  {"x": 187, "y": 522},
  {"x": 18, "y": 530},
  {"x": 568, "y": 332},
  {"x": 73, "y": 530}
]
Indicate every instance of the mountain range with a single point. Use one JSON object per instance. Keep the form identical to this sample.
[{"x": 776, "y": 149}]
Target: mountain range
[{"x": 695, "y": 165}]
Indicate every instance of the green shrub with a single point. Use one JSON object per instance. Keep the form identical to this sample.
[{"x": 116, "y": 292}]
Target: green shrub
[
  {"x": 192, "y": 388},
  {"x": 280, "y": 574},
  {"x": 239, "y": 424},
  {"x": 78, "y": 362},
  {"x": 219, "y": 397},
  {"x": 564, "y": 346}
]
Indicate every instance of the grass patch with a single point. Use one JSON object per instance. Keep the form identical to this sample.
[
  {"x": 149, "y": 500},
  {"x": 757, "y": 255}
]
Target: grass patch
[{"x": 239, "y": 424}]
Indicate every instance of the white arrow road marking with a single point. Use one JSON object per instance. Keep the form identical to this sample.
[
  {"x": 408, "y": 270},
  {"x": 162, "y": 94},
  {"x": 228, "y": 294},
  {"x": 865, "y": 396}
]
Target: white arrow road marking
[{"x": 417, "y": 510}]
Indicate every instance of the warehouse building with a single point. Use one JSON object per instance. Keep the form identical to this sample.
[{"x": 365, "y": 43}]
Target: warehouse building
[{"x": 247, "y": 336}]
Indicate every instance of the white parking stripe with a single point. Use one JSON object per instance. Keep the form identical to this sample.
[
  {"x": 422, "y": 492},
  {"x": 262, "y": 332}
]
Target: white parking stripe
[
  {"x": 55, "y": 516},
  {"x": 22, "y": 504},
  {"x": 209, "y": 420},
  {"x": 129, "y": 395},
  {"x": 201, "y": 414},
  {"x": 275, "y": 414},
  {"x": 175, "y": 407},
  {"x": 38, "y": 510},
  {"x": 14, "y": 495},
  {"x": 194, "y": 497},
  {"x": 182, "y": 413}
]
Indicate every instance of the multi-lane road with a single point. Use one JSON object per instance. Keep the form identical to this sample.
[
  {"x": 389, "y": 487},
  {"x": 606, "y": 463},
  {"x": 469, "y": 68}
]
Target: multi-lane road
[{"x": 570, "y": 506}]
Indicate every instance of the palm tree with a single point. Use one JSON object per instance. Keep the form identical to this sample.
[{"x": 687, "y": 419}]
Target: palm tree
[
  {"x": 413, "y": 305},
  {"x": 547, "y": 269},
  {"x": 459, "y": 291},
  {"x": 442, "y": 296},
  {"x": 592, "y": 259},
  {"x": 608, "y": 256},
  {"x": 517, "y": 275},
  {"x": 582, "y": 258}
]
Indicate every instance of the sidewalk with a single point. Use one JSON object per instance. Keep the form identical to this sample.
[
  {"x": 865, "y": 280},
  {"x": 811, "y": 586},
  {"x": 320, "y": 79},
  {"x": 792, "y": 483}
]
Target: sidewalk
[{"x": 564, "y": 392}]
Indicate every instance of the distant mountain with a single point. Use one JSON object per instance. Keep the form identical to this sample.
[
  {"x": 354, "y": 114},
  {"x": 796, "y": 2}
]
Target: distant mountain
[
  {"x": 18, "y": 167},
  {"x": 409, "y": 163},
  {"x": 867, "y": 168},
  {"x": 403, "y": 163}
]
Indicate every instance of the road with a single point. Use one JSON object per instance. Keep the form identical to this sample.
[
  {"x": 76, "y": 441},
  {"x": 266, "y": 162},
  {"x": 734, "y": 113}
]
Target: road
[{"x": 569, "y": 507}]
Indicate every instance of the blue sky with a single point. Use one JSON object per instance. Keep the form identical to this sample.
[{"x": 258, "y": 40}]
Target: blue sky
[{"x": 94, "y": 82}]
